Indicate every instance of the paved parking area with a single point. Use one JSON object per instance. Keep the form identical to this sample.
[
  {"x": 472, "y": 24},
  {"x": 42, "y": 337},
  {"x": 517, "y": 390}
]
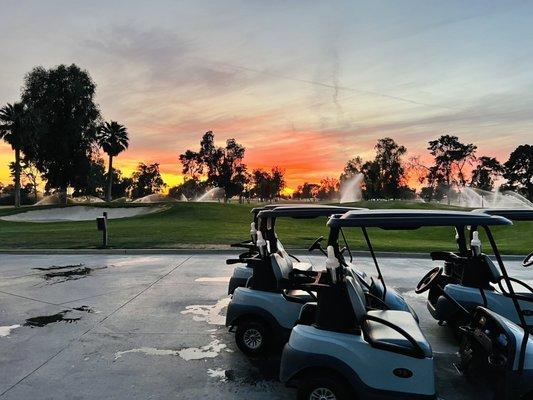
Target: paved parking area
[{"x": 152, "y": 327}]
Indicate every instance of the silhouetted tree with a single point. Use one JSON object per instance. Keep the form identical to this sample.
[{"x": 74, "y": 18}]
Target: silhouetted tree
[
  {"x": 352, "y": 168},
  {"x": 328, "y": 189},
  {"x": 65, "y": 120},
  {"x": 222, "y": 166},
  {"x": 391, "y": 170},
  {"x": 486, "y": 172},
  {"x": 93, "y": 182},
  {"x": 146, "y": 180},
  {"x": 519, "y": 171},
  {"x": 306, "y": 191},
  {"x": 113, "y": 139},
  {"x": 261, "y": 184},
  {"x": 29, "y": 175},
  {"x": 268, "y": 185},
  {"x": 450, "y": 156},
  {"x": 121, "y": 184},
  {"x": 15, "y": 131},
  {"x": 384, "y": 177}
]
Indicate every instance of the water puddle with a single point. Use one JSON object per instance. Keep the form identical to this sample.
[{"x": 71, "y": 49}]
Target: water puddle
[
  {"x": 50, "y": 319},
  {"x": 56, "y": 267},
  {"x": 217, "y": 279},
  {"x": 65, "y": 273},
  {"x": 150, "y": 351},
  {"x": 86, "y": 309},
  {"x": 209, "y": 313},
  {"x": 210, "y": 350},
  {"x": 6, "y": 330},
  {"x": 203, "y": 313},
  {"x": 223, "y": 375},
  {"x": 263, "y": 373}
]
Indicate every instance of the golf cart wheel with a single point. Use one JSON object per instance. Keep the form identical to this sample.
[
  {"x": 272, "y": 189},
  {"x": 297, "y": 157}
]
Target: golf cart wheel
[
  {"x": 252, "y": 337},
  {"x": 323, "y": 387}
]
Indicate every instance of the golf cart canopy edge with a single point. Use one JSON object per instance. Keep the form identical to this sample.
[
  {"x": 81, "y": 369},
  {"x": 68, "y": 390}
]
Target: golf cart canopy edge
[
  {"x": 514, "y": 214},
  {"x": 414, "y": 219},
  {"x": 305, "y": 211}
]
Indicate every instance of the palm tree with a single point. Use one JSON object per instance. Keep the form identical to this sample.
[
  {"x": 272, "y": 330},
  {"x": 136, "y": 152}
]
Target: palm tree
[
  {"x": 113, "y": 139},
  {"x": 13, "y": 130}
]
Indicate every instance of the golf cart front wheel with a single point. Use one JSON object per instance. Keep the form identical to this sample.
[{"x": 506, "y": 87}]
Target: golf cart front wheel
[
  {"x": 325, "y": 387},
  {"x": 252, "y": 337}
]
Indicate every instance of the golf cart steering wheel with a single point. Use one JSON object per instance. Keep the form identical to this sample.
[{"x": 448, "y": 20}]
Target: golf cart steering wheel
[
  {"x": 528, "y": 261},
  {"x": 429, "y": 280},
  {"x": 316, "y": 244}
]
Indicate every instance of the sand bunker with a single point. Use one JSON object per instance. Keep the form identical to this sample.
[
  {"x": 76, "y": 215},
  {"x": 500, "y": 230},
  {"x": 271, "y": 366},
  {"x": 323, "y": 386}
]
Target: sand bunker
[
  {"x": 77, "y": 213},
  {"x": 155, "y": 198},
  {"x": 53, "y": 199}
]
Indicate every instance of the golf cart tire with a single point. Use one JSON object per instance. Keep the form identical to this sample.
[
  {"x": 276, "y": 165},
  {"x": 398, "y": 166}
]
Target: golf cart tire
[
  {"x": 255, "y": 326},
  {"x": 326, "y": 380}
]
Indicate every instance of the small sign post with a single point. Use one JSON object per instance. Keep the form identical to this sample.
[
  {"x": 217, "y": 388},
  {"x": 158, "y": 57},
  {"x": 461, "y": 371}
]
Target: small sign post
[{"x": 101, "y": 224}]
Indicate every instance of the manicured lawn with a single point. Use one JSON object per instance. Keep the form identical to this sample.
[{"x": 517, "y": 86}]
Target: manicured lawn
[{"x": 198, "y": 225}]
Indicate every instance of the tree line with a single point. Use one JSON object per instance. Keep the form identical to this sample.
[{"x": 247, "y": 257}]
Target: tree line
[
  {"x": 454, "y": 164},
  {"x": 57, "y": 133}
]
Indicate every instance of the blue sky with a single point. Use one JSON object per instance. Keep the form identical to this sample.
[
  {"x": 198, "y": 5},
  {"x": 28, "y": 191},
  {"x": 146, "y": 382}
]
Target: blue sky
[{"x": 303, "y": 84}]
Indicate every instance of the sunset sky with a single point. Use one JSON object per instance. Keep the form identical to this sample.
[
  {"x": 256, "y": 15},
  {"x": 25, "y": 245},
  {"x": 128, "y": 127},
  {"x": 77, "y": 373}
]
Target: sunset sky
[{"x": 302, "y": 84}]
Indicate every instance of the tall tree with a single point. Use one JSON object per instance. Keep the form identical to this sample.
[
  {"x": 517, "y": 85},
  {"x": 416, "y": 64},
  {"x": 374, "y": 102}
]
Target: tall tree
[
  {"x": 268, "y": 185},
  {"x": 352, "y": 168},
  {"x": 222, "y": 166},
  {"x": 147, "y": 180},
  {"x": 65, "y": 121},
  {"x": 306, "y": 191},
  {"x": 451, "y": 156},
  {"x": 92, "y": 183},
  {"x": 390, "y": 167},
  {"x": 384, "y": 176},
  {"x": 14, "y": 130},
  {"x": 328, "y": 189},
  {"x": 113, "y": 139},
  {"x": 29, "y": 176},
  {"x": 519, "y": 170},
  {"x": 262, "y": 183},
  {"x": 486, "y": 172}
]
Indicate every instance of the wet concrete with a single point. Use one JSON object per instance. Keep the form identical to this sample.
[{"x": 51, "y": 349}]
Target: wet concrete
[{"x": 153, "y": 328}]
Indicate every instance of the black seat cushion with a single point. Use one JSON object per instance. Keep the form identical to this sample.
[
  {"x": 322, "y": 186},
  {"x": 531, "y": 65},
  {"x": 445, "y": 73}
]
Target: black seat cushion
[{"x": 384, "y": 335}]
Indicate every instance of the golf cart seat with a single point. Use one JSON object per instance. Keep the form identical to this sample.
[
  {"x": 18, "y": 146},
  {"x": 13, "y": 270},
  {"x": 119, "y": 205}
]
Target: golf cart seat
[
  {"x": 480, "y": 272},
  {"x": 284, "y": 270},
  {"x": 283, "y": 273},
  {"x": 303, "y": 266},
  {"x": 389, "y": 330}
]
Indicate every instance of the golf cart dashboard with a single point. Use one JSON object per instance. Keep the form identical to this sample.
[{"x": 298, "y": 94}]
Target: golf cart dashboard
[
  {"x": 491, "y": 330},
  {"x": 488, "y": 340}
]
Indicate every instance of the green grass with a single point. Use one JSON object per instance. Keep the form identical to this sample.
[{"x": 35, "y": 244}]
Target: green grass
[{"x": 198, "y": 225}]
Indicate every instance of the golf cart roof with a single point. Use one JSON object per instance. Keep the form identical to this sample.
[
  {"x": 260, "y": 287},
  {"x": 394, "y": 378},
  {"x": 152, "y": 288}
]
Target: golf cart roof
[
  {"x": 413, "y": 219},
  {"x": 256, "y": 210},
  {"x": 305, "y": 211},
  {"x": 514, "y": 214}
]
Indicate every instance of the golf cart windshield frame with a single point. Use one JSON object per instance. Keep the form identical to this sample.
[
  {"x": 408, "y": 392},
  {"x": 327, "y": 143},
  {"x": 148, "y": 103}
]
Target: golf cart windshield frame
[
  {"x": 267, "y": 218},
  {"x": 392, "y": 220}
]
